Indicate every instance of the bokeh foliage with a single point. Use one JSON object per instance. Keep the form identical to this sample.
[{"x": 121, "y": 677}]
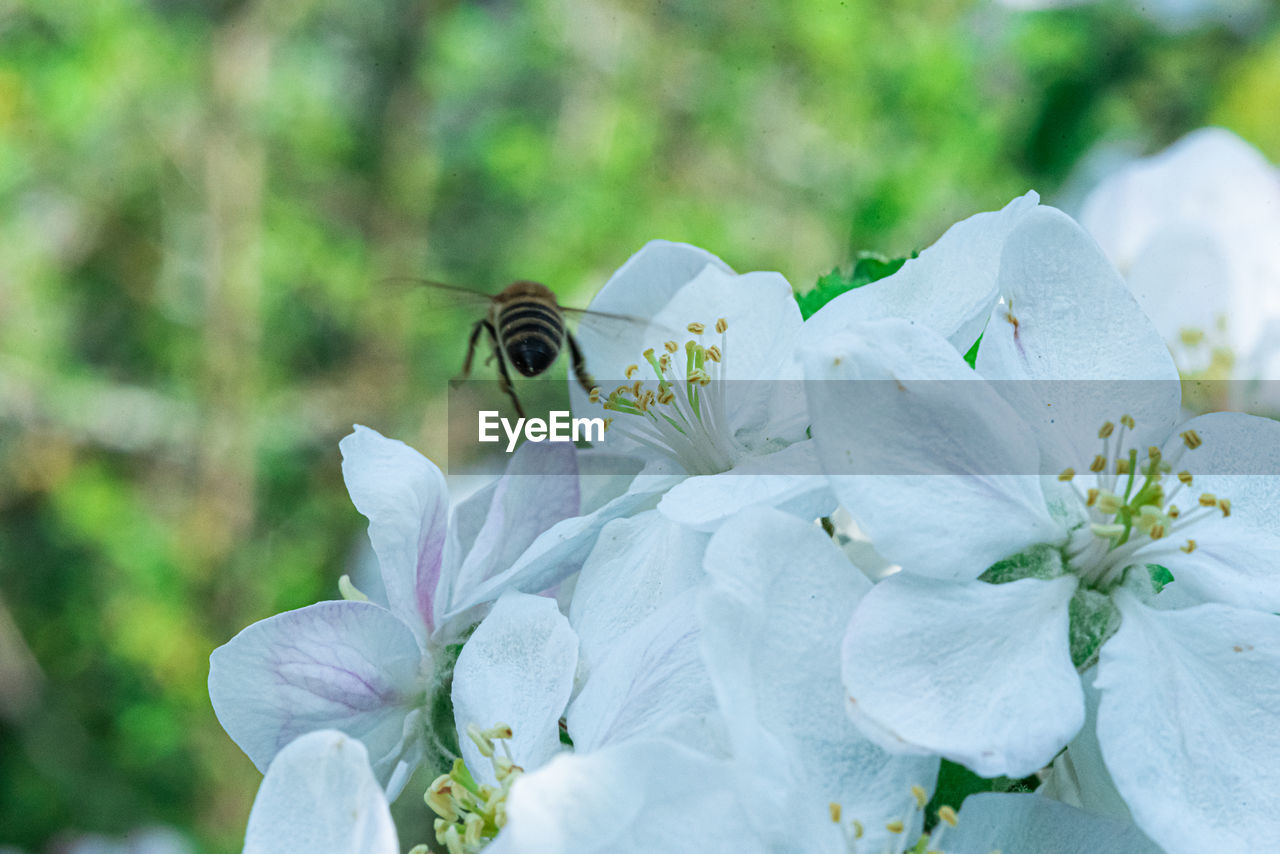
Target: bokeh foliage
[{"x": 199, "y": 202}]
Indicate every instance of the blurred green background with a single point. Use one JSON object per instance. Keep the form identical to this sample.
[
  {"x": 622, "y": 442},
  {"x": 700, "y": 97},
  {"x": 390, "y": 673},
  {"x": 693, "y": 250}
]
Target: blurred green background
[{"x": 198, "y": 200}]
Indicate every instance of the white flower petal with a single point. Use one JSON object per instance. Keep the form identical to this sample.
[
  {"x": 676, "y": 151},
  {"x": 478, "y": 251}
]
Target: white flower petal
[
  {"x": 403, "y": 496},
  {"x": 320, "y": 797},
  {"x": 1189, "y": 723},
  {"x": 517, "y": 668},
  {"x": 1067, "y": 316},
  {"x": 351, "y": 666},
  {"x": 559, "y": 552},
  {"x": 538, "y": 489},
  {"x": 781, "y": 596},
  {"x": 787, "y": 480},
  {"x": 635, "y": 797},
  {"x": 637, "y": 565},
  {"x": 978, "y": 673},
  {"x": 894, "y": 401},
  {"x": 652, "y": 682},
  {"x": 1079, "y": 775},
  {"x": 950, "y": 288},
  {"x": 1028, "y": 823}
]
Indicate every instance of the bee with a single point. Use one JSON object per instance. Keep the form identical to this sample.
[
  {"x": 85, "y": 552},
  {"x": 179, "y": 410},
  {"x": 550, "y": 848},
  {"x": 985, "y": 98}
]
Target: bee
[{"x": 526, "y": 327}]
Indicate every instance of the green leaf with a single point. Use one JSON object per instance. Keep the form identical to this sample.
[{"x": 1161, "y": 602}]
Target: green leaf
[
  {"x": 868, "y": 268},
  {"x": 1160, "y": 576},
  {"x": 972, "y": 356},
  {"x": 956, "y": 782}
]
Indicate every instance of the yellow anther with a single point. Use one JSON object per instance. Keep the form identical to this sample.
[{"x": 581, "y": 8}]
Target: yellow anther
[
  {"x": 621, "y": 391},
  {"x": 671, "y": 346},
  {"x": 1173, "y": 511},
  {"x": 1191, "y": 438},
  {"x": 948, "y": 815},
  {"x": 1107, "y": 531},
  {"x": 1067, "y": 474},
  {"x": 635, "y": 388},
  {"x": 1105, "y": 431},
  {"x": 1156, "y": 532},
  {"x": 1153, "y": 452},
  {"x": 1127, "y": 420},
  {"x": 1189, "y": 547},
  {"x": 722, "y": 325},
  {"x": 895, "y": 826},
  {"x": 648, "y": 355},
  {"x": 696, "y": 328},
  {"x": 1185, "y": 477},
  {"x": 1208, "y": 499},
  {"x": 1092, "y": 497},
  {"x": 919, "y": 794},
  {"x": 1122, "y": 466},
  {"x": 857, "y": 829},
  {"x": 473, "y": 824},
  {"x": 666, "y": 395},
  {"x": 1098, "y": 465},
  {"x": 664, "y": 363},
  {"x": 631, "y": 371},
  {"x": 607, "y": 422},
  {"x": 1190, "y": 336},
  {"x": 1224, "y": 504},
  {"x": 439, "y": 797},
  {"x": 713, "y": 353},
  {"x": 594, "y": 395},
  {"x": 834, "y": 809}
]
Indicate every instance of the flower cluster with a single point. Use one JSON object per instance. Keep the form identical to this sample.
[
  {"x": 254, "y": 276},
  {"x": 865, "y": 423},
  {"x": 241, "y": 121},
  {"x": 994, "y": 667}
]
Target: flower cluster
[{"x": 676, "y": 642}]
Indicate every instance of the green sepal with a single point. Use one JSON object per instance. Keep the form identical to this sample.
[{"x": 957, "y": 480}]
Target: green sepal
[
  {"x": 1093, "y": 618},
  {"x": 1040, "y": 561},
  {"x": 869, "y": 267},
  {"x": 442, "y": 736},
  {"x": 1160, "y": 576},
  {"x": 972, "y": 356}
]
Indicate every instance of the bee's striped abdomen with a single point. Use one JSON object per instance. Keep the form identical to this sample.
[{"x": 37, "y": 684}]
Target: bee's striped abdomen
[{"x": 531, "y": 327}]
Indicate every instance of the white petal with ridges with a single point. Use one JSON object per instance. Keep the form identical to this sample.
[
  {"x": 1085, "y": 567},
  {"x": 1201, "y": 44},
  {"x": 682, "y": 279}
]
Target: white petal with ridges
[
  {"x": 978, "y": 673},
  {"x": 1030, "y": 823},
  {"x": 891, "y": 401},
  {"x": 781, "y": 596},
  {"x": 320, "y": 797},
  {"x": 517, "y": 668},
  {"x": 403, "y": 495},
  {"x": 950, "y": 288},
  {"x": 1189, "y": 723},
  {"x": 351, "y": 666}
]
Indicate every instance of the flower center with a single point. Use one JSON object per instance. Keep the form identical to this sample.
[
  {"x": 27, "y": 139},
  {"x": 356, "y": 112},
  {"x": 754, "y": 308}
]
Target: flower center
[
  {"x": 1133, "y": 503},
  {"x": 679, "y": 414},
  {"x": 899, "y": 840},
  {"x": 471, "y": 813}
]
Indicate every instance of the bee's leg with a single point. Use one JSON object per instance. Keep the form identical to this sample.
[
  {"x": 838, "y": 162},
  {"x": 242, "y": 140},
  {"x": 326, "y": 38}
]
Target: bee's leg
[
  {"x": 471, "y": 347},
  {"x": 579, "y": 364},
  {"x": 503, "y": 376}
]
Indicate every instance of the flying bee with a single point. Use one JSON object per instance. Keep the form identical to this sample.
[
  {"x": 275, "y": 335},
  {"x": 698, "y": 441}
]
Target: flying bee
[{"x": 526, "y": 327}]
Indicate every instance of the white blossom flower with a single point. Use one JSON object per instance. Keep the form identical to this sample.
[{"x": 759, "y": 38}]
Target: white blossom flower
[
  {"x": 319, "y": 796},
  {"x": 373, "y": 669},
  {"x": 717, "y": 408},
  {"x": 1012, "y": 581},
  {"x": 1194, "y": 231},
  {"x": 630, "y": 726}
]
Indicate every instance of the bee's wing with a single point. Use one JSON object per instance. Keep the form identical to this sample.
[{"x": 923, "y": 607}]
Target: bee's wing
[
  {"x": 618, "y": 325},
  {"x": 441, "y": 295}
]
